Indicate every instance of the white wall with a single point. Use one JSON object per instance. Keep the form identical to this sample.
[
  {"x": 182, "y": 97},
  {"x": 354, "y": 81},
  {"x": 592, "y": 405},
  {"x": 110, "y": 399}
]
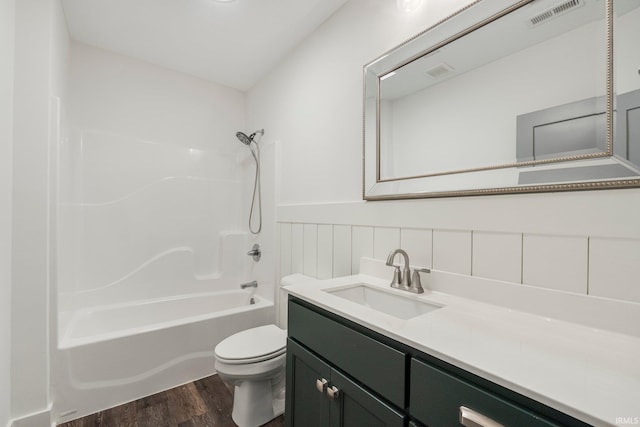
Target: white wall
[
  {"x": 586, "y": 242},
  {"x": 40, "y": 58},
  {"x": 121, "y": 95},
  {"x": 6, "y": 139},
  {"x": 151, "y": 176}
]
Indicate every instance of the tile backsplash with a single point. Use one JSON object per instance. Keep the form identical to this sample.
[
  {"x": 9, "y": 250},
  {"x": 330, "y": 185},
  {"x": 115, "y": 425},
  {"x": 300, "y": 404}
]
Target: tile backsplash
[
  {"x": 613, "y": 268},
  {"x": 497, "y": 256},
  {"x": 603, "y": 267},
  {"x": 556, "y": 262},
  {"x": 452, "y": 251}
]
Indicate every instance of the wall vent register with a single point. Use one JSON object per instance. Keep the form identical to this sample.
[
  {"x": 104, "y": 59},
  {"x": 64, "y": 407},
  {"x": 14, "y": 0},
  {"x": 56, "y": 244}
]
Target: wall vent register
[{"x": 558, "y": 10}]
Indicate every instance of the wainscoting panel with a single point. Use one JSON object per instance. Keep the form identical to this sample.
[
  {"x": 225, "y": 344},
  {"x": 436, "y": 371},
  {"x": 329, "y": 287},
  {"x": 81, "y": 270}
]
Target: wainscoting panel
[{"x": 603, "y": 267}]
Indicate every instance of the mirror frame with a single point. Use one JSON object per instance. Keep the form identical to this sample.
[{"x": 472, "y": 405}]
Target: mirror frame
[{"x": 375, "y": 188}]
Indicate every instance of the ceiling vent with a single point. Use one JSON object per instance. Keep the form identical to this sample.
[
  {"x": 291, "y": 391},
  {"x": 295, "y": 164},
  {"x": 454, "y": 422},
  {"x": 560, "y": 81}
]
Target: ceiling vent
[
  {"x": 439, "y": 70},
  {"x": 555, "y": 11}
]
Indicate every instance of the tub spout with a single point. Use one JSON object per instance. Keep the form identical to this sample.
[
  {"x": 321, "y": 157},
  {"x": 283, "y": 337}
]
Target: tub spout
[{"x": 253, "y": 284}]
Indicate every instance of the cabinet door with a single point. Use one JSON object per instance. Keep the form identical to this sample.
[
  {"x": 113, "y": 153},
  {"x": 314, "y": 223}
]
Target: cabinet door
[
  {"x": 351, "y": 406},
  {"x": 356, "y": 407},
  {"x": 306, "y": 406}
]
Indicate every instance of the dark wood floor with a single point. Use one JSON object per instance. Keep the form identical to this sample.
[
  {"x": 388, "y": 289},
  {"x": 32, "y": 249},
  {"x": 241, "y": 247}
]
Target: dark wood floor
[{"x": 204, "y": 403}]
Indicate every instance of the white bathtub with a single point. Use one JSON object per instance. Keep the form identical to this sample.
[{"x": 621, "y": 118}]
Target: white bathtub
[{"x": 114, "y": 354}]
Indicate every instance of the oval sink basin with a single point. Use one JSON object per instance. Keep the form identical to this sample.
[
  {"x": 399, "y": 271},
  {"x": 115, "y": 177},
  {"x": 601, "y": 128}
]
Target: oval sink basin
[{"x": 386, "y": 302}]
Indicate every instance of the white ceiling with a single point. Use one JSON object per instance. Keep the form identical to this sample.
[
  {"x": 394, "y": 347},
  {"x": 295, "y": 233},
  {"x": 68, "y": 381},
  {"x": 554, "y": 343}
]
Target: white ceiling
[{"x": 234, "y": 44}]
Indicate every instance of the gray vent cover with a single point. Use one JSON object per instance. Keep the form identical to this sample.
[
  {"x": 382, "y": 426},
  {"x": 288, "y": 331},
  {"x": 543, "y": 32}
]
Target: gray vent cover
[
  {"x": 439, "y": 70},
  {"x": 555, "y": 11}
]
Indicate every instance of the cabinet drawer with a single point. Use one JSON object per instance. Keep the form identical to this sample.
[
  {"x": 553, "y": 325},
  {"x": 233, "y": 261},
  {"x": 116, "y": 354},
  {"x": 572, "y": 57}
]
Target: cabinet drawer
[
  {"x": 436, "y": 397},
  {"x": 374, "y": 364}
]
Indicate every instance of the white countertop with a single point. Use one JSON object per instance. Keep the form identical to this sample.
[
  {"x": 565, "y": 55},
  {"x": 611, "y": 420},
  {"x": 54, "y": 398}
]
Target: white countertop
[{"x": 590, "y": 374}]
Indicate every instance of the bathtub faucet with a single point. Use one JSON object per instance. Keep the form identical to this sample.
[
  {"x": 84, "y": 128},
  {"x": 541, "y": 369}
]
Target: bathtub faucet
[
  {"x": 255, "y": 252},
  {"x": 253, "y": 284}
]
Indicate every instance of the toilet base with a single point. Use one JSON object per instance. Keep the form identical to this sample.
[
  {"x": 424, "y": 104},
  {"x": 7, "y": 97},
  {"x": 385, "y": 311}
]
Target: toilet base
[{"x": 254, "y": 403}]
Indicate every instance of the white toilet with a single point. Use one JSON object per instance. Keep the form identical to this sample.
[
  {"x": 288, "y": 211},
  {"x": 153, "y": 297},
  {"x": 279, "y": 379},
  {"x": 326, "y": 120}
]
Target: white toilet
[{"x": 253, "y": 362}]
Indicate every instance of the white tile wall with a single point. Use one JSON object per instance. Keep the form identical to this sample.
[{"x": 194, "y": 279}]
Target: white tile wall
[
  {"x": 418, "y": 244},
  {"x": 604, "y": 267},
  {"x": 285, "y": 249},
  {"x": 614, "y": 267},
  {"x": 341, "y": 250},
  {"x": 297, "y": 248},
  {"x": 325, "y": 251},
  {"x": 452, "y": 251},
  {"x": 384, "y": 241},
  {"x": 361, "y": 246},
  {"x": 310, "y": 250},
  {"x": 497, "y": 256},
  {"x": 557, "y": 262}
]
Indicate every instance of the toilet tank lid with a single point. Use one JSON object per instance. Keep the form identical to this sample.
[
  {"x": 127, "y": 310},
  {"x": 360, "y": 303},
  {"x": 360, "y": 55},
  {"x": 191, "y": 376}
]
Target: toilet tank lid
[{"x": 252, "y": 343}]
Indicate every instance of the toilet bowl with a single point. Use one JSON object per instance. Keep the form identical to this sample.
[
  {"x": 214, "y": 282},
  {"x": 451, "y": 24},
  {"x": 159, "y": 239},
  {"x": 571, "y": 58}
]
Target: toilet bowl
[{"x": 253, "y": 362}]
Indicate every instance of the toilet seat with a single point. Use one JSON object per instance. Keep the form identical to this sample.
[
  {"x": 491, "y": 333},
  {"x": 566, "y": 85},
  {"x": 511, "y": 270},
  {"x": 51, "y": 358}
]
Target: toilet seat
[{"x": 252, "y": 345}]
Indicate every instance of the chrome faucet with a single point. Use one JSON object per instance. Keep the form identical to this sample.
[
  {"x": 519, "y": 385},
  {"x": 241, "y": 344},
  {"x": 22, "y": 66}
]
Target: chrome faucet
[{"x": 405, "y": 280}]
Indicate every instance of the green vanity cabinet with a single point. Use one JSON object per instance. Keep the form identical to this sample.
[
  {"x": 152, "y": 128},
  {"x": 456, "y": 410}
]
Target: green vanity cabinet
[
  {"x": 319, "y": 395},
  {"x": 341, "y": 374}
]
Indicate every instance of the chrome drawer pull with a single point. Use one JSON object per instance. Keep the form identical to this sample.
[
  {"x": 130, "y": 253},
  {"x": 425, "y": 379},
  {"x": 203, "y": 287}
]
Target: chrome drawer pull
[
  {"x": 471, "y": 418},
  {"x": 321, "y": 385},
  {"x": 333, "y": 393}
]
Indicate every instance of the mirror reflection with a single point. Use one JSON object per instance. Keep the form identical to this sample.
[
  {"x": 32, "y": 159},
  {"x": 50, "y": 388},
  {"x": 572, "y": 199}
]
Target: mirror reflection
[
  {"x": 519, "y": 101},
  {"x": 627, "y": 80}
]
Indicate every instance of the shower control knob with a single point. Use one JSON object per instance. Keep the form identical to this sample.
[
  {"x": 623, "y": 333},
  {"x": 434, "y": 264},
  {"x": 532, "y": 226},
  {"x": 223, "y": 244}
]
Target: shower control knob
[{"x": 255, "y": 252}]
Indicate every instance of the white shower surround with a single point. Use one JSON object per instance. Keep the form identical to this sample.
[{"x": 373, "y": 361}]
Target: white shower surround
[
  {"x": 141, "y": 219},
  {"x": 152, "y": 237},
  {"x": 151, "y": 183}
]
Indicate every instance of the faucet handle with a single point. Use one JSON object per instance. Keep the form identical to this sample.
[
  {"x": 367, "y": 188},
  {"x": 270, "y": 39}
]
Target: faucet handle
[{"x": 416, "y": 285}]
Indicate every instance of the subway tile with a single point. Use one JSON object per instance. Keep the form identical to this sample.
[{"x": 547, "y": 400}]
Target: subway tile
[
  {"x": 310, "y": 251},
  {"x": 555, "y": 262},
  {"x": 384, "y": 241},
  {"x": 613, "y": 268},
  {"x": 325, "y": 252},
  {"x": 361, "y": 246},
  {"x": 497, "y": 256},
  {"x": 452, "y": 251},
  {"x": 341, "y": 250},
  {"x": 285, "y": 249},
  {"x": 418, "y": 244},
  {"x": 297, "y": 248}
]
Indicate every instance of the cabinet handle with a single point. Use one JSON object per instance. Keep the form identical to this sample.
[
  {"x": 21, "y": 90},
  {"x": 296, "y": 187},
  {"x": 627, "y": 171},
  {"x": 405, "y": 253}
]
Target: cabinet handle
[
  {"x": 471, "y": 418},
  {"x": 321, "y": 385},
  {"x": 333, "y": 392}
]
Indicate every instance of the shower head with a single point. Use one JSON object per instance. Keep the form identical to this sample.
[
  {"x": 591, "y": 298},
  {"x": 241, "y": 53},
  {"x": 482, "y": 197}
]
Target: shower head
[
  {"x": 246, "y": 140},
  {"x": 255, "y": 152}
]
